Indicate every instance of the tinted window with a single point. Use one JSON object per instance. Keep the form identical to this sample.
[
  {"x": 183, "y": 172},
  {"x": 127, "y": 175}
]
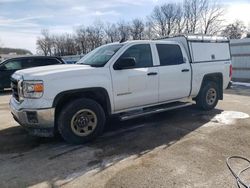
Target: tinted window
[
  {"x": 52, "y": 62},
  {"x": 142, "y": 55},
  {"x": 13, "y": 65},
  {"x": 44, "y": 61},
  {"x": 28, "y": 63},
  {"x": 169, "y": 54}
]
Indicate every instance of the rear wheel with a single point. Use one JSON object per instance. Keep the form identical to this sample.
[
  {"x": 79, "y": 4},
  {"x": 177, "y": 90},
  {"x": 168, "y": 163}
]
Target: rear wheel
[
  {"x": 81, "y": 121},
  {"x": 208, "y": 96}
]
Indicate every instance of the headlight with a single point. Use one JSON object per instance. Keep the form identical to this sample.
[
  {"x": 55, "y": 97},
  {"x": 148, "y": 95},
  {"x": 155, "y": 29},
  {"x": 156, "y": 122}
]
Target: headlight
[{"x": 32, "y": 89}]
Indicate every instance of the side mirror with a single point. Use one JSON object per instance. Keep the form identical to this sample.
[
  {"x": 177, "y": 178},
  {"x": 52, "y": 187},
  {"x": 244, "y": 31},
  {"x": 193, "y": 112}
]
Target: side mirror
[{"x": 125, "y": 63}]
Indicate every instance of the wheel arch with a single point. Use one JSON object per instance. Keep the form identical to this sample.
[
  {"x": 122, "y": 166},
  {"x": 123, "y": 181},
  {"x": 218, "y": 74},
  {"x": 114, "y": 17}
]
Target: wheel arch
[
  {"x": 214, "y": 77},
  {"x": 98, "y": 94}
]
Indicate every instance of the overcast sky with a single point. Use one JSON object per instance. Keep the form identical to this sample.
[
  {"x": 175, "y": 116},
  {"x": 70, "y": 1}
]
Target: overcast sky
[{"x": 22, "y": 20}]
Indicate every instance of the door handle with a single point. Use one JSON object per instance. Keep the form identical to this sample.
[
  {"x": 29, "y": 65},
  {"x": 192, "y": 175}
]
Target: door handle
[
  {"x": 185, "y": 70},
  {"x": 152, "y": 73}
]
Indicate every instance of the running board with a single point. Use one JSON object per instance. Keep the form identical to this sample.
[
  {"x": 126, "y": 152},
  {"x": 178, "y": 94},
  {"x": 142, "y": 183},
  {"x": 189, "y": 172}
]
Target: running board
[{"x": 153, "y": 110}]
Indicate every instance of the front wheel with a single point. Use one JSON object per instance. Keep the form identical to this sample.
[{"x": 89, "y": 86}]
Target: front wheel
[
  {"x": 208, "y": 96},
  {"x": 81, "y": 121}
]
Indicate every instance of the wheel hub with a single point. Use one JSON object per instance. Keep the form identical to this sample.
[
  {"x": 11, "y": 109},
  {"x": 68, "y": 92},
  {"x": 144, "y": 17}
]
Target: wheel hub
[
  {"x": 211, "y": 96},
  {"x": 84, "y": 122}
]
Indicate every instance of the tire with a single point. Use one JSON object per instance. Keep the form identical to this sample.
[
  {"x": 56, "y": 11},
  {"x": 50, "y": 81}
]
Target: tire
[
  {"x": 81, "y": 121},
  {"x": 208, "y": 96}
]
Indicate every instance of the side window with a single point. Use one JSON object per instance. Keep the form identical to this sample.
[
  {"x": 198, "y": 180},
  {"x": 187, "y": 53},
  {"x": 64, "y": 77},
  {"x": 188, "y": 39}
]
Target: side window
[
  {"x": 52, "y": 62},
  {"x": 39, "y": 62},
  {"x": 28, "y": 63},
  {"x": 141, "y": 53},
  {"x": 169, "y": 54},
  {"x": 36, "y": 62},
  {"x": 13, "y": 65}
]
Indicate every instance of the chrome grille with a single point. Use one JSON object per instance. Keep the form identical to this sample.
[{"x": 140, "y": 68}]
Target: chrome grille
[{"x": 14, "y": 87}]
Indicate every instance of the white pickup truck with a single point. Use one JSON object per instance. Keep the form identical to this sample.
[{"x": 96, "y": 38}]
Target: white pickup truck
[{"x": 127, "y": 79}]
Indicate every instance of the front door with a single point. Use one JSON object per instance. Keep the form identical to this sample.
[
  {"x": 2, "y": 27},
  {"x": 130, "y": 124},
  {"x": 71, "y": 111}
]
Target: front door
[{"x": 136, "y": 86}]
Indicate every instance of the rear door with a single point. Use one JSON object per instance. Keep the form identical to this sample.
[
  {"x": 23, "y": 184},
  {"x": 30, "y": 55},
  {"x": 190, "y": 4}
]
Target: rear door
[
  {"x": 136, "y": 86},
  {"x": 174, "y": 72}
]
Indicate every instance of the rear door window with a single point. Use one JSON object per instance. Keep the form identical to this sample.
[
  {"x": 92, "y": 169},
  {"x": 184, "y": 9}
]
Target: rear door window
[
  {"x": 28, "y": 63},
  {"x": 52, "y": 62},
  {"x": 169, "y": 54},
  {"x": 36, "y": 62}
]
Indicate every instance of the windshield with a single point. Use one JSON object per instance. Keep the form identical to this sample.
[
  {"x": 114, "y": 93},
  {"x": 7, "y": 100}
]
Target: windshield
[{"x": 100, "y": 56}]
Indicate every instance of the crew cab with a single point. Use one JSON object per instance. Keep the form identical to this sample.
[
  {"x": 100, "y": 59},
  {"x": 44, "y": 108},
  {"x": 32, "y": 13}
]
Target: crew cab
[{"x": 127, "y": 79}]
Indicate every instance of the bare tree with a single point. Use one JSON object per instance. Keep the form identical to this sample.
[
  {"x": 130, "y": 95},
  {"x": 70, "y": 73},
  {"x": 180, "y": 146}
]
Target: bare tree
[
  {"x": 234, "y": 30},
  {"x": 64, "y": 44},
  {"x": 212, "y": 18},
  {"x": 191, "y": 16},
  {"x": 136, "y": 29},
  {"x": 158, "y": 21},
  {"x": 193, "y": 10},
  {"x": 69, "y": 44},
  {"x": 57, "y": 48},
  {"x": 124, "y": 30},
  {"x": 112, "y": 32},
  {"x": 149, "y": 32},
  {"x": 180, "y": 21},
  {"x": 44, "y": 43},
  {"x": 172, "y": 13},
  {"x": 81, "y": 40},
  {"x": 94, "y": 37}
]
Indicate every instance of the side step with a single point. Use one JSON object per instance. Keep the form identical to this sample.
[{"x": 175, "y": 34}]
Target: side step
[{"x": 153, "y": 110}]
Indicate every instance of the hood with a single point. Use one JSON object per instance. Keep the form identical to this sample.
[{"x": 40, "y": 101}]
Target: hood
[{"x": 45, "y": 71}]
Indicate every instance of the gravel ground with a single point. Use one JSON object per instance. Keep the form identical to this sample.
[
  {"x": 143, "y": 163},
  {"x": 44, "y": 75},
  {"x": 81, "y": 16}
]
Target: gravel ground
[{"x": 179, "y": 148}]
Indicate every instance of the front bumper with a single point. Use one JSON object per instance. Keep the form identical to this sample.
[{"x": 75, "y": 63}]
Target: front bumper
[{"x": 39, "y": 122}]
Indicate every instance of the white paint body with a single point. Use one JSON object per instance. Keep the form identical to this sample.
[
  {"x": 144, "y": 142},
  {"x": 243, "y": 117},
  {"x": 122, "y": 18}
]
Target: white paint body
[{"x": 132, "y": 88}]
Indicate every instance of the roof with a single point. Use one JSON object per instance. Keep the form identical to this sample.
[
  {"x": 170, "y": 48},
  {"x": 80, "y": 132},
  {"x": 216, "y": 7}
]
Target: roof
[
  {"x": 37, "y": 56},
  {"x": 34, "y": 56},
  {"x": 200, "y": 37}
]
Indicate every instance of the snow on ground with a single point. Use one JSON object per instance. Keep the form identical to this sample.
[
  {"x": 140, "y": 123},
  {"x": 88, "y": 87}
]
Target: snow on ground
[
  {"x": 229, "y": 117},
  {"x": 242, "y": 84}
]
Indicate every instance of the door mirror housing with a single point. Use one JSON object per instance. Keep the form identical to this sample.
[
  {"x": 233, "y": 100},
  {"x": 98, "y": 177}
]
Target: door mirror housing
[{"x": 125, "y": 63}]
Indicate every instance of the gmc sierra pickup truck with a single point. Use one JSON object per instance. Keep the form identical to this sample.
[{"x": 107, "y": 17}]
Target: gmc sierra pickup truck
[{"x": 127, "y": 79}]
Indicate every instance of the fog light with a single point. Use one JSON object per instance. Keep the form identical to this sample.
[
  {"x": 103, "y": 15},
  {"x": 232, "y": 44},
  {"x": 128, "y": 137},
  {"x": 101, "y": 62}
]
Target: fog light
[{"x": 32, "y": 117}]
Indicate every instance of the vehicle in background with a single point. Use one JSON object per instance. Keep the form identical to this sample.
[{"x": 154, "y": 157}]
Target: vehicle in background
[
  {"x": 70, "y": 62},
  {"x": 127, "y": 79},
  {"x": 9, "y": 66},
  {"x": 72, "y": 59}
]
